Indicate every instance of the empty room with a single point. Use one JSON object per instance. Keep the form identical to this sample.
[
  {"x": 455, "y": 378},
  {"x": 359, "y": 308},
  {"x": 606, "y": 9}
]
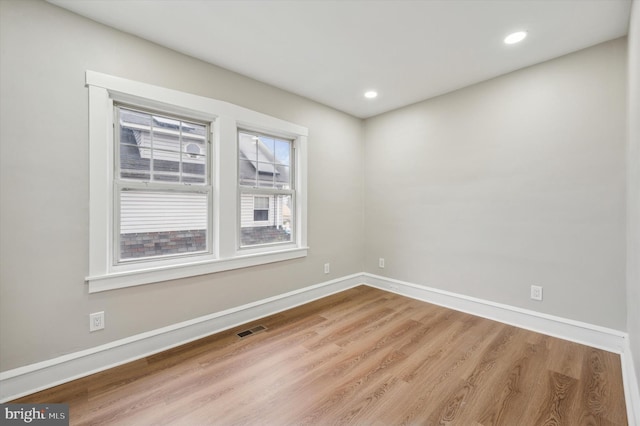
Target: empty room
[{"x": 283, "y": 212}]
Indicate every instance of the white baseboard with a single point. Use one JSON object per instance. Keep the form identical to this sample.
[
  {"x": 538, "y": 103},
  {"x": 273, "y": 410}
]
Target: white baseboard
[
  {"x": 36, "y": 377},
  {"x": 575, "y": 331},
  {"x": 631, "y": 386}
]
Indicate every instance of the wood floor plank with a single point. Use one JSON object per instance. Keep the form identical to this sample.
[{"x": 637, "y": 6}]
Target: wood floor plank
[
  {"x": 452, "y": 407},
  {"x": 603, "y": 400},
  {"x": 504, "y": 406},
  {"x": 567, "y": 358},
  {"x": 561, "y": 390},
  {"x": 360, "y": 357}
]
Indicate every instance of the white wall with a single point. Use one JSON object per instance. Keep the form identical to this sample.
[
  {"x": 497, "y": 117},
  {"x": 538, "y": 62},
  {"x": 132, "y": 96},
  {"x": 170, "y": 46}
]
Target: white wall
[
  {"x": 516, "y": 181},
  {"x": 44, "y": 197},
  {"x": 633, "y": 189}
]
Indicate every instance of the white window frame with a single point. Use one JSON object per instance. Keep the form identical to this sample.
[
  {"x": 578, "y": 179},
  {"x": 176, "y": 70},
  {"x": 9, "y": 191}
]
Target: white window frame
[
  {"x": 225, "y": 120},
  {"x": 268, "y": 192},
  {"x": 163, "y": 187}
]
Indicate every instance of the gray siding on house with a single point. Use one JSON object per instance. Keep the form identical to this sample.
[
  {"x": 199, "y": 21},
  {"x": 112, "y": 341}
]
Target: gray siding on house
[
  {"x": 279, "y": 212},
  {"x": 161, "y": 211}
]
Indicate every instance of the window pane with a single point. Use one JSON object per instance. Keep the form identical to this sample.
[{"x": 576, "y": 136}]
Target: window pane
[
  {"x": 166, "y": 177},
  {"x": 162, "y": 149},
  {"x": 155, "y": 223},
  {"x": 283, "y": 180},
  {"x": 132, "y": 164},
  {"x": 247, "y": 173},
  {"x": 194, "y": 129},
  {"x": 260, "y": 215},
  {"x": 164, "y": 143},
  {"x": 265, "y": 226},
  {"x": 165, "y": 146},
  {"x": 193, "y": 168},
  {"x": 248, "y": 147},
  {"x": 263, "y": 161},
  {"x": 267, "y": 145},
  {"x": 193, "y": 146},
  {"x": 266, "y": 172},
  {"x": 165, "y": 124},
  {"x": 283, "y": 152},
  {"x": 166, "y": 170}
]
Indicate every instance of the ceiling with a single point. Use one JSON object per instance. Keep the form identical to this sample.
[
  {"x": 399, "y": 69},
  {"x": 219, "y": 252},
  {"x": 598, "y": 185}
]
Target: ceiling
[{"x": 333, "y": 51}]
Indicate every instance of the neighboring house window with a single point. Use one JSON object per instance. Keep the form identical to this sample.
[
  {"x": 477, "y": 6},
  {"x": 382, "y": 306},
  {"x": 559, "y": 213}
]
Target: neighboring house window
[
  {"x": 162, "y": 186},
  {"x": 165, "y": 199},
  {"x": 260, "y": 209}
]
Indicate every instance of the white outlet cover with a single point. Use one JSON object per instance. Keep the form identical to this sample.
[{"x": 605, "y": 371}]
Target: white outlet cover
[
  {"x": 96, "y": 321},
  {"x": 536, "y": 292},
  {"x": 327, "y": 268}
]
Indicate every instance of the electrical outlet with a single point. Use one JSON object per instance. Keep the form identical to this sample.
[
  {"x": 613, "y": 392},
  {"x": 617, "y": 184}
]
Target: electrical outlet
[
  {"x": 96, "y": 321},
  {"x": 381, "y": 262},
  {"x": 536, "y": 292},
  {"x": 327, "y": 268}
]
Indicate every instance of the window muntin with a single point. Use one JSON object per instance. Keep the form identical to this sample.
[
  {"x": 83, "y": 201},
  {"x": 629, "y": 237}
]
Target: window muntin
[
  {"x": 265, "y": 176},
  {"x": 162, "y": 186}
]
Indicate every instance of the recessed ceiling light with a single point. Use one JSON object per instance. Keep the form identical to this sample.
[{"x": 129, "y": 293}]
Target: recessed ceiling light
[
  {"x": 516, "y": 37},
  {"x": 371, "y": 94}
]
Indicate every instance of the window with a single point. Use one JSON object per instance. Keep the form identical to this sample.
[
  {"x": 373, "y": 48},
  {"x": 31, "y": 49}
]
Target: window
[
  {"x": 260, "y": 209},
  {"x": 162, "y": 186},
  {"x": 265, "y": 176},
  {"x": 183, "y": 185}
]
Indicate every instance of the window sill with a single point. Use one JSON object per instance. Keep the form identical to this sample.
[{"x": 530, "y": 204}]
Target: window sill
[{"x": 112, "y": 281}]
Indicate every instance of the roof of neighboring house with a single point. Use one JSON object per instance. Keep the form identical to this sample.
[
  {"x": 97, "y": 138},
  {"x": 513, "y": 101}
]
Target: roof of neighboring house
[
  {"x": 256, "y": 156},
  {"x": 257, "y": 162},
  {"x": 260, "y": 157},
  {"x": 137, "y": 148}
]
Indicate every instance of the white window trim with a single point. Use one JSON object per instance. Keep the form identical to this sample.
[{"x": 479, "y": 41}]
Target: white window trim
[{"x": 226, "y": 119}]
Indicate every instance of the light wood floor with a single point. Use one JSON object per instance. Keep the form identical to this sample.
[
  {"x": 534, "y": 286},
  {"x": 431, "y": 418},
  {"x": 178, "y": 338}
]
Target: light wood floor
[{"x": 363, "y": 356}]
